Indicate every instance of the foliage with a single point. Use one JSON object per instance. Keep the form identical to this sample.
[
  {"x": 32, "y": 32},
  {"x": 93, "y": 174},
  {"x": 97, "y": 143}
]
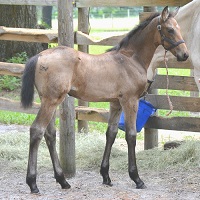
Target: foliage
[
  {"x": 19, "y": 58},
  {"x": 44, "y": 25},
  {"x": 11, "y": 83},
  {"x": 105, "y": 12}
]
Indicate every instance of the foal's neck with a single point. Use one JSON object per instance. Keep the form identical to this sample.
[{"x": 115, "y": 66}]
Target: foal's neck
[{"x": 145, "y": 42}]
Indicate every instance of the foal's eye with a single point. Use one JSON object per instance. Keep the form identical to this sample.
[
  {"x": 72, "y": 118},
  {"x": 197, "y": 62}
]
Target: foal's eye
[{"x": 171, "y": 31}]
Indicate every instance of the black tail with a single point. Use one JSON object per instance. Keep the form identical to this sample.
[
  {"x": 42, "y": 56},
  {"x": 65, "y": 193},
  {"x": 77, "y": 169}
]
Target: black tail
[{"x": 28, "y": 79}]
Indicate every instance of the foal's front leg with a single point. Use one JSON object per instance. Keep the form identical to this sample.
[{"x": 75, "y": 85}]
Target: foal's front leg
[
  {"x": 115, "y": 111},
  {"x": 130, "y": 111},
  {"x": 50, "y": 137}
]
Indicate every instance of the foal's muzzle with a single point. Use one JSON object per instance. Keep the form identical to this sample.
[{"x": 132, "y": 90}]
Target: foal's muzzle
[{"x": 182, "y": 57}]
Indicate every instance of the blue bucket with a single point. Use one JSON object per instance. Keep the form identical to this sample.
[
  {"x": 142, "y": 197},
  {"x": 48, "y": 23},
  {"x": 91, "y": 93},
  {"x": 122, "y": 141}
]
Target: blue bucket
[{"x": 145, "y": 110}]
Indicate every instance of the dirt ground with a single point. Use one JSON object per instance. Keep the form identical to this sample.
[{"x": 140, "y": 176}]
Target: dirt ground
[{"x": 167, "y": 185}]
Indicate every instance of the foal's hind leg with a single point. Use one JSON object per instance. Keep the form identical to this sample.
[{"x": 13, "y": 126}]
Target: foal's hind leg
[
  {"x": 114, "y": 115},
  {"x": 37, "y": 131},
  {"x": 50, "y": 137}
]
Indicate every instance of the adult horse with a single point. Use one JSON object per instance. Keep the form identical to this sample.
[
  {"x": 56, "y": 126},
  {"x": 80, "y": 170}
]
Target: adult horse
[
  {"x": 188, "y": 19},
  {"x": 117, "y": 76}
]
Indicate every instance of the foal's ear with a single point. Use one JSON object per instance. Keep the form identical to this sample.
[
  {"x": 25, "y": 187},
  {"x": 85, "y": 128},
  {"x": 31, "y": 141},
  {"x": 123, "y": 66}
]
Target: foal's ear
[
  {"x": 175, "y": 12},
  {"x": 165, "y": 14}
]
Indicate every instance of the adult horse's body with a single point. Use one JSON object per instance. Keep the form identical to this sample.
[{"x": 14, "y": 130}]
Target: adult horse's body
[
  {"x": 118, "y": 76},
  {"x": 188, "y": 19}
]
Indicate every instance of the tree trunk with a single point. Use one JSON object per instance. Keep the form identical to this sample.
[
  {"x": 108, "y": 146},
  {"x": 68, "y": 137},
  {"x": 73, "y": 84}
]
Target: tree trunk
[
  {"x": 47, "y": 15},
  {"x": 18, "y": 17}
]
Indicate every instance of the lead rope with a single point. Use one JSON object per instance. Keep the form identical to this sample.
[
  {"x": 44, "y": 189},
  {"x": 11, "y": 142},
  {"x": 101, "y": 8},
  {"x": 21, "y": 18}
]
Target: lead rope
[{"x": 168, "y": 98}]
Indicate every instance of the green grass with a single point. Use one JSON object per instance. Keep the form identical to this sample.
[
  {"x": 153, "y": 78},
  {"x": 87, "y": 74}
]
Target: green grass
[
  {"x": 95, "y": 49},
  {"x": 7, "y": 117},
  {"x": 180, "y": 72}
]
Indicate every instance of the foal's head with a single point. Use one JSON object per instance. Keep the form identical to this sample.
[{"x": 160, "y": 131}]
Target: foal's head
[{"x": 170, "y": 36}]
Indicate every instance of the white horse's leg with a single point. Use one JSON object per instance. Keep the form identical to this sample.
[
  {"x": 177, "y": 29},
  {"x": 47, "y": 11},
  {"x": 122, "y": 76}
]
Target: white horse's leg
[
  {"x": 194, "y": 46},
  {"x": 197, "y": 76}
]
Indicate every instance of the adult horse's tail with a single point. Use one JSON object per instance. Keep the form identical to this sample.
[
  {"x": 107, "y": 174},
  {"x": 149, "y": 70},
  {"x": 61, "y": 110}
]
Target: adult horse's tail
[{"x": 28, "y": 79}]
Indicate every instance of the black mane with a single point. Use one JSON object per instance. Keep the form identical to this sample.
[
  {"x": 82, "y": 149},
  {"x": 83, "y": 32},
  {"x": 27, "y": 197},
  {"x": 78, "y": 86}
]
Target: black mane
[{"x": 141, "y": 26}]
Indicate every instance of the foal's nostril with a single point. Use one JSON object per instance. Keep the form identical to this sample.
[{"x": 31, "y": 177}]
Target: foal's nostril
[{"x": 186, "y": 55}]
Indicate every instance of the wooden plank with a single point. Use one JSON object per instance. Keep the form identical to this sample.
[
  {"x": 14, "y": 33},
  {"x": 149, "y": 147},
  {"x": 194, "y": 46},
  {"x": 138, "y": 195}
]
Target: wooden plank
[
  {"x": 28, "y": 35},
  {"x": 96, "y": 3},
  {"x": 30, "y": 2},
  {"x": 92, "y": 114},
  {"x": 82, "y": 113},
  {"x": 101, "y": 115},
  {"x": 51, "y": 36},
  {"x": 12, "y": 69},
  {"x": 174, "y": 123},
  {"x": 185, "y": 83},
  {"x": 15, "y": 106},
  {"x": 179, "y": 103},
  {"x": 173, "y": 63},
  {"x": 100, "y": 3},
  {"x": 84, "y": 39}
]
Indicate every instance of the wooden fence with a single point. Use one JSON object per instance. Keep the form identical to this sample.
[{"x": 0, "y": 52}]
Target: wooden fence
[
  {"x": 180, "y": 103},
  {"x": 96, "y": 3},
  {"x": 101, "y": 115},
  {"x": 51, "y": 36}
]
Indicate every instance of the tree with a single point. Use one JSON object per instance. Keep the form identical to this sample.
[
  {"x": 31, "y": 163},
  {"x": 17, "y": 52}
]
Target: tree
[
  {"x": 47, "y": 15},
  {"x": 18, "y": 17}
]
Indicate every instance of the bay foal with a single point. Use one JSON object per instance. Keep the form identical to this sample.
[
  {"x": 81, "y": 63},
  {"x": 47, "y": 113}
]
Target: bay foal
[{"x": 118, "y": 76}]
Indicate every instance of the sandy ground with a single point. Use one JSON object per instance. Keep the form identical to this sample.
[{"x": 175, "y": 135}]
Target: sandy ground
[{"x": 167, "y": 185}]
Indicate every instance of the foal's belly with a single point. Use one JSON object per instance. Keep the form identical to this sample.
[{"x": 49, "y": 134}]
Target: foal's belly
[{"x": 92, "y": 97}]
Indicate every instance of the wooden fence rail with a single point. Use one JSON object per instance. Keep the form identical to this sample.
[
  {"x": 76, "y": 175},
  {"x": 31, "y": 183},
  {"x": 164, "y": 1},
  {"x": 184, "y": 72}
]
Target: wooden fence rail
[
  {"x": 93, "y": 114},
  {"x": 180, "y": 103},
  {"x": 185, "y": 83},
  {"x": 51, "y": 36},
  {"x": 98, "y": 3}
]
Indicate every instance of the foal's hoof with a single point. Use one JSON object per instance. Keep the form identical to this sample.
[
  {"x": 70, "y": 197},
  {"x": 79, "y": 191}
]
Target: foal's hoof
[
  {"x": 66, "y": 186},
  {"x": 141, "y": 186},
  {"x": 108, "y": 183},
  {"x": 35, "y": 191}
]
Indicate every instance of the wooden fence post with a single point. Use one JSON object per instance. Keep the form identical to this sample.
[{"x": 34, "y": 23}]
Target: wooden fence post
[
  {"x": 83, "y": 25},
  {"x": 67, "y": 109},
  {"x": 150, "y": 135}
]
